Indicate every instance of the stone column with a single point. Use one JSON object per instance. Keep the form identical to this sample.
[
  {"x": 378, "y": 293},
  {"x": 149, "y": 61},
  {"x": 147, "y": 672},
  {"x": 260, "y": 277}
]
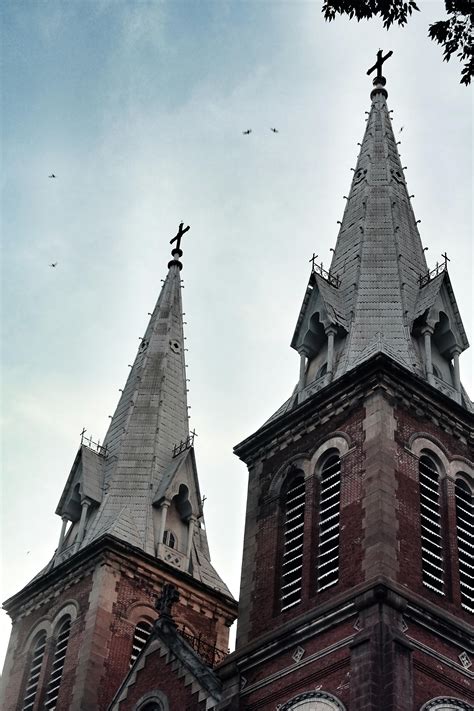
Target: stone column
[
  {"x": 330, "y": 333},
  {"x": 82, "y": 523},
  {"x": 63, "y": 531},
  {"x": 189, "y": 543},
  {"x": 164, "y": 510},
  {"x": 302, "y": 380},
  {"x": 427, "y": 333},
  {"x": 457, "y": 376}
]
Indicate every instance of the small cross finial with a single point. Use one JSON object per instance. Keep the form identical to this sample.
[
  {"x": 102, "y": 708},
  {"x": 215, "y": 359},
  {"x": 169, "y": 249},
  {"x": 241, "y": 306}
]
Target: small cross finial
[
  {"x": 378, "y": 65},
  {"x": 178, "y": 237},
  {"x": 446, "y": 259},
  {"x": 313, "y": 260},
  {"x": 169, "y": 595}
]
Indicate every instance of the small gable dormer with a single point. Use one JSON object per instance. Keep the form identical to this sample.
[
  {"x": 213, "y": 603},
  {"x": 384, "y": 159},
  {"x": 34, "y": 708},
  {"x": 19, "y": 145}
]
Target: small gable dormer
[
  {"x": 177, "y": 510},
  {"x": 439, "y": 334},
  {"x": 320, "y": 332},
  {"x": 82, "y": 494}
]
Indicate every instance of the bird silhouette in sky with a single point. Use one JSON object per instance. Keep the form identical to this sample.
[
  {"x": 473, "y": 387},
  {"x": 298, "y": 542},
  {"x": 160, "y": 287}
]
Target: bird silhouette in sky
[
  {"x": 247, "y": 132},
  {"x": 51, "y": 176},
  {"x": 401, "y": 129},
  {"x": 54, "y": 264},
  {"x": 275, "y": 130}
]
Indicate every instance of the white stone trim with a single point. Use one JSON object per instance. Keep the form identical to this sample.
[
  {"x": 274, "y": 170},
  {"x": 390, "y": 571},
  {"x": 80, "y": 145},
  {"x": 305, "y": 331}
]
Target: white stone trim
[
  {"x": 71, "y": 609},
  {"x": 422, "y": 443},
  {"x": 338, "y": 441},
  {"x": 154, "y": 695}
]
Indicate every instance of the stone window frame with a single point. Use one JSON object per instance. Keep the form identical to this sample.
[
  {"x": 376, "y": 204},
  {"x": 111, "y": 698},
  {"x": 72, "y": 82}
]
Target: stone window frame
[
  {"x": 293, "y": 475},
  {"x": 450, "y": 468},
  {"x": 60, "y": 621},
  {"x": 70, "y": 607},
  {"x": 157, "y": 696},
  {"x": 332, "y": 703},
  {"x": 308, "y": 463},
  {"x": 335, "y": 443},
  {"x": 143, "y": 640},
  {"x": 41, "y": 634},
  {"x": 463, "y": 478}
]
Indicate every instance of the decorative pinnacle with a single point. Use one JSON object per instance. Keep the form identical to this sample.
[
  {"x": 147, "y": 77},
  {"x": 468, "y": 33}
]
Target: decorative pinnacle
[{"x": 177, "y": 252}]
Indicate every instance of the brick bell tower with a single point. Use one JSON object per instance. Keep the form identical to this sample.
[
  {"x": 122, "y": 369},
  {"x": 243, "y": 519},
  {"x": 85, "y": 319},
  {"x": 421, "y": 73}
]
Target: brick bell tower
[
  {"x": 357, "y": 587},
  {"x": 132, "y": 521}
]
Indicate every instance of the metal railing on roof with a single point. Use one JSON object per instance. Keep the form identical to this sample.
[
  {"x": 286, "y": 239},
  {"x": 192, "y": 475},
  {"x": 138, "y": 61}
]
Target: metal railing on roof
[
  {"x": 184, "y": 444},
  {"x": 90, "y": 444},
  {"x": 332, "y": 279},
  {"x": 210, "y": 654},
  {"x": 440, "y": 267}
]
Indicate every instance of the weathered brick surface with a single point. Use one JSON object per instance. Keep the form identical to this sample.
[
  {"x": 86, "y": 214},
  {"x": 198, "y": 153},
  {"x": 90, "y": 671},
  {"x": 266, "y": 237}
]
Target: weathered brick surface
[
  {"x": 267, "y": 539},
  {"x": 158, "y": 674},
  {"x": 111, "y": 598}
]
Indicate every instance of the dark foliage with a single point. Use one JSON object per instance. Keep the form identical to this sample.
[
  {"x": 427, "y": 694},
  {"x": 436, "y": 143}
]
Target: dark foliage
[{"x": 454, "y": 34}]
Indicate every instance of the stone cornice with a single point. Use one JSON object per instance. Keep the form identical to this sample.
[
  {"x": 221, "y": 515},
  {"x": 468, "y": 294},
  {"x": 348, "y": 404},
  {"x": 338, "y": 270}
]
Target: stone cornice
[
  {"x": 85, "y": 561},
  {"x": 348, "y": 392},
  {"x": 341, "y": 608}
]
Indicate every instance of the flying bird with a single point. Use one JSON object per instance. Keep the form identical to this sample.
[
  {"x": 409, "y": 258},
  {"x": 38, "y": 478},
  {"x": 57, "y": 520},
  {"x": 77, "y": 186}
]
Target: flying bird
[
  {"x": 275, "y": 130},
  {"x": 54, "y": 264},
  {"x": 51, "y": 176},
  {"x": 247, "y": 132},
  {"x": 401, "y": 129}
]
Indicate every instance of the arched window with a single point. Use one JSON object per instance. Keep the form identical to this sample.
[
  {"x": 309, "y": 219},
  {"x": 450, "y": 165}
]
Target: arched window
[
  {"x": 432, "y": 571},
  {"x": 293, "y": 528},
  {"x": 38, "y": 647},
  {"x": 62, "y": 639},
  {"x": 140, "y": 637},
  {"x": 169, "y": 539},
  {"x": 329, "y": 505},
  {"x": 465, "y": 537}
]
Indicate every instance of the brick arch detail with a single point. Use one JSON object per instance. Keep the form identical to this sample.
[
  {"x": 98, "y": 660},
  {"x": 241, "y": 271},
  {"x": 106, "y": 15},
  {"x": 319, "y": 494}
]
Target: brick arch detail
[
  {"x": 43, "y": 625},
  {"x": 421, "y": 443},
  {"x": 298, "y": 461},
  {"x": 70, "y": 608},
  {"x": 155, "y": 695},
  {"x": 338, "y": 441},
  {"x": 461, "y": 469},
  {"x": 138, "y": 612}
]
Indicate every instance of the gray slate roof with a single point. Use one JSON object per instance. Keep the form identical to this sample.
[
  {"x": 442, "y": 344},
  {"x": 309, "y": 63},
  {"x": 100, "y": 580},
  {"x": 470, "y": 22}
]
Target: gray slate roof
[
  {"x": 139, "y": 468},
  {"x": 373, "y": 292}
]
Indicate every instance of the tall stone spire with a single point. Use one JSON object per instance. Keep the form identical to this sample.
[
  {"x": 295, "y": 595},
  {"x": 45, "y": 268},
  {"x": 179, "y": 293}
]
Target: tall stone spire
[
  {"x": 144, "y": 477},
  {"x": 378, "y": 294}
]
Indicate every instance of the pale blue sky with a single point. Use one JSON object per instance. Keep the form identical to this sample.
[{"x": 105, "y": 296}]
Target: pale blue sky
[{"x": 138, "y": 108}]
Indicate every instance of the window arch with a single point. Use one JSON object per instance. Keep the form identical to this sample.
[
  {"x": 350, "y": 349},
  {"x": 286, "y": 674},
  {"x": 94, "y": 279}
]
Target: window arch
[
  {"x": 329, "y": 508},
  {"x": 62, "y": 639},
  {"x": 140, "y": 638},
  {"x": 465, "y": 539},
  {"x": 293, "y": 536},
  {"x": 38, "y": 647},
  {"x": 444, "y": 703},
  {"x": 313, "y": 701},
  {"x": 432, "y": 567}
]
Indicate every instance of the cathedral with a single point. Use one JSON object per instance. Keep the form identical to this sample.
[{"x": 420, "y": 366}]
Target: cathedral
[{"x": 357, "y": 588}]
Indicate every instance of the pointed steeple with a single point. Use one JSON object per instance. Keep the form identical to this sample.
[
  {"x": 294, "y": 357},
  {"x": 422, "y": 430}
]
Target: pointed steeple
[
  {"x": 378, "y": 294},
  {"x": 141, "y": 484}
]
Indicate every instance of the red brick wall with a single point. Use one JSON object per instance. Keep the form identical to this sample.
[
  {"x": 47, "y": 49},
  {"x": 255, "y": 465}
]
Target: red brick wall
[
  {"x": 47, "y": 610},
  {"x": 408, "y": 512},
  {"x": 265, "y": 613},
  {"x": 157, "y": 674}
]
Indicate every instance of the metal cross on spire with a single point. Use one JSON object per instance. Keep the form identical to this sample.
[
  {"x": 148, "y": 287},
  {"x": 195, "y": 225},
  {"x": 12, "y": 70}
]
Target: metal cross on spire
[
  {"x": 179, "y": 235},
  {"x": 378, "y": 64}
]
